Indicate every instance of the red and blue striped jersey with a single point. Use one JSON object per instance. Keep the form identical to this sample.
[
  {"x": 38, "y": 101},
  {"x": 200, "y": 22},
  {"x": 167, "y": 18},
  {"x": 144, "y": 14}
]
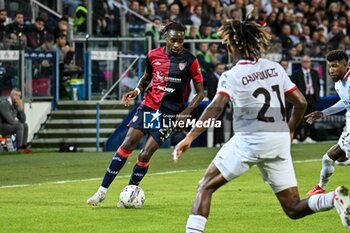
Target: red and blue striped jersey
[{"x": 171, "y": 76}]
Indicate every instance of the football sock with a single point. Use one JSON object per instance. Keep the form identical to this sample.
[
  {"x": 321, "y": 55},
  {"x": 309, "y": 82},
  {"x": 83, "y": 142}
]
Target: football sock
[
  {"x": 195, "y": 224},
  {"x": 327, "y": 171},
  {"x": 140, "y": 170},
  {"x": 115, "y": 166},
  {"x": 102, "y": 189},
  {"x": 321, "y": 202}
]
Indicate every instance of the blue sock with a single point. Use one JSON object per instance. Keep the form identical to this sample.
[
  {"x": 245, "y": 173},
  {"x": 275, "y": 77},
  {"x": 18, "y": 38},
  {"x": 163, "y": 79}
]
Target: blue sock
[
  {"x": 139, "y": 171},
  {"x": 116, "y": 164}
]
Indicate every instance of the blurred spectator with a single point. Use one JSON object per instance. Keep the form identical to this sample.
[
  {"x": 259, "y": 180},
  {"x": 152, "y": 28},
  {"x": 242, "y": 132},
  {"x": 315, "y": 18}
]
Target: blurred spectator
[
  {"x": 204, "y": 61},
  {"x": 174, "y": 13},
  {"x": 129, "y": 82},
  {"x": 162, "y": 9},
  {"x": 99, "y": 23},
  {"x": 113, "y": 18},
  {"x": 184, "y": 11},
  {"x": 213, "y": 54},
  {"x": 13, "y": 41},
  {"x": 67, "y": 68},
  {"x": 35, "y": 33},
  {"x": 209, "y": 10},
  {"x": 80, "y": 17},
  {"x": 136, "y": 27},
  {"x": 13, "y": 119},
  {"x": 3, "y": 19},
  {"x": 299, "y": 49},
  {"x": 149, "y": 8},
  {"x": 213, "y": 79},
  {"x": 48, "y": 44},
  {"x": 196, "y": 17},
  {"x": 335, "y": 36},
  {"x": 285, "y": 64},
  {"x": 205, "y": 31},
  {"x": 61, "y": 28},
  {"x": 295, "y": 35},
  {"x": 98, "y": 80},
  {"x": 17, "y": 26},
  {"x": 287, "y": 42},
  {"x": 308, "y": 82},
  {"x": 153, "y": 32},
  {"x": 192, "y": 34},
  {"x": 70, "y": 6},
  {"x": 333, "y": 12}
]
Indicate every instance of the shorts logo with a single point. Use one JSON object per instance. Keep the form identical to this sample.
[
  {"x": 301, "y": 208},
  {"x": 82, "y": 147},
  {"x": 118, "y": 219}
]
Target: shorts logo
[{"x": 151, "y": 120}]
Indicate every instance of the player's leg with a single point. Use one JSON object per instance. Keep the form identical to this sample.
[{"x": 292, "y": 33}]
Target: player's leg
[
  {"x": 117, "y": 162},
  {"x": 155, "y": 139},
  {"x": 143, "y": 160},
  {"x": 211, "y": 181},
  {"x": 343, "y": 161},
  {"x": 333, "y": 154},
  {"x": 232, "y": 160},
  {"x": 296, "y": 208}
]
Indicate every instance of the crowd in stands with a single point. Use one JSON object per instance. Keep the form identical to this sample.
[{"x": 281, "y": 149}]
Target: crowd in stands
[{"x": 298, "y": 27}]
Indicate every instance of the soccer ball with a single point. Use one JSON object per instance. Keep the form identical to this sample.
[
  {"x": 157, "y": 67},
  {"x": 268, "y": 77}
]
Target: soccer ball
[{"x": 131, "y": 196}]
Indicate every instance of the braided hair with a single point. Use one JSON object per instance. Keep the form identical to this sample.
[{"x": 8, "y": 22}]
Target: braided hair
[
  {"x": 248, "y": 38},
  {"x": 172, "y": 25}
]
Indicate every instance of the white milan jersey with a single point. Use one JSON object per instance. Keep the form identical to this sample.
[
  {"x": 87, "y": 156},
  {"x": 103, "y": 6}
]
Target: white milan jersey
[
  {"x": 343, "y": 88},
  {"x": 257, "y": 90}
]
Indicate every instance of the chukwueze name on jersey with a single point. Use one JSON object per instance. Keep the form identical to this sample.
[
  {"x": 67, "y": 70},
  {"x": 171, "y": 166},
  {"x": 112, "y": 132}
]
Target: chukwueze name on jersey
[{"x": 261, "y": 75}]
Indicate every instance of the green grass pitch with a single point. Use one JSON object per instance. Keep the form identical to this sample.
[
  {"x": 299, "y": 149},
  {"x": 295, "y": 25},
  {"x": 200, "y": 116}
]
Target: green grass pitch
[{"x": 47, "y": 192}]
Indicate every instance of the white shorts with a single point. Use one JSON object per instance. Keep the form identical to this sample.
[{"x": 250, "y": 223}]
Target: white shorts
[
  {"x": 269, "y": 151},
  {"x": 344, "y": 143}
]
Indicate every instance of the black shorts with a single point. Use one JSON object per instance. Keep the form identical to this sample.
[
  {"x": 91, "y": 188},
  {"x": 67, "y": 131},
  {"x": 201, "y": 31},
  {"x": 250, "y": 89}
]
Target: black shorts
[{"x": 155, "y": 123}]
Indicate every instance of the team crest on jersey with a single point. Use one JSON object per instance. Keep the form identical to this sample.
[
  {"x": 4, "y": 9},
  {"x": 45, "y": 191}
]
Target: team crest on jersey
[
  {"x": 159, "y": 76},
  {"x": 182, "y": 65},
  {"x": 157, "y": 63}
]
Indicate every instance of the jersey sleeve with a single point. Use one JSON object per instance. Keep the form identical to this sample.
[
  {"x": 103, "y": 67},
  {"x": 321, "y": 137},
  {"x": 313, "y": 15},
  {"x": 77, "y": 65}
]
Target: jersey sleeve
[
  {"x": 288, "y": 85},
  {"x": 195, "y": 71},
  {"x": 225, "y": 86}
]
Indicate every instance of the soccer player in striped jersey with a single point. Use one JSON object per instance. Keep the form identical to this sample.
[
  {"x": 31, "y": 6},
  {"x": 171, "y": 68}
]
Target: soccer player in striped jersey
[
  {"x": 165, "y": 83},
  {"x": 337, "y": 61},
  {"x": 257, "y": 88}
]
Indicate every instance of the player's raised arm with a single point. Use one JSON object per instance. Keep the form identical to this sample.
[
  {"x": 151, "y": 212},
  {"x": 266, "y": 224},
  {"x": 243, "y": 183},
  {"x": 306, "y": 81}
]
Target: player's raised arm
[
  {"x": 212, "y": 111},
  {"x": 337, "y": 107}
]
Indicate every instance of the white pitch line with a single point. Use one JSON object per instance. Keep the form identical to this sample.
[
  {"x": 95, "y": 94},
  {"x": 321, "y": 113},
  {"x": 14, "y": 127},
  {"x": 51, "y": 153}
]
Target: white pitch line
[
  {"x": 152, "y": 174},
  {"x": 94, "y": 179}
]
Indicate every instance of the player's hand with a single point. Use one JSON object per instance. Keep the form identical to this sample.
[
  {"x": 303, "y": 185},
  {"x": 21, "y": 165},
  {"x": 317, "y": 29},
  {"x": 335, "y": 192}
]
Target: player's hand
[
  {"x": 180, "y": 148},
  {"x": 310, "y": 118},
  {"x": 127, "y": 97}
]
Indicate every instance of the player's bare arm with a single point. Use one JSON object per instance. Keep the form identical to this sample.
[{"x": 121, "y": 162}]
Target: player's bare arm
[
  {"x": 194, "y": 102},
  {"x": 145, "y": 80},
  {"x": 310, "y": 118},
  {"x": 213, "y": 110},
  {"x": 337, "y": 107},
  {"x": 299, "y": 106}
]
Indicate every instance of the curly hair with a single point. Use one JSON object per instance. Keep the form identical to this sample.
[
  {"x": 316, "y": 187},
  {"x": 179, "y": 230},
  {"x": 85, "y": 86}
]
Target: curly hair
[
  {"x": 337, "y": 55},
  {"x": 248, "y": 38},
  {"x": 172, "y": 25}
]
